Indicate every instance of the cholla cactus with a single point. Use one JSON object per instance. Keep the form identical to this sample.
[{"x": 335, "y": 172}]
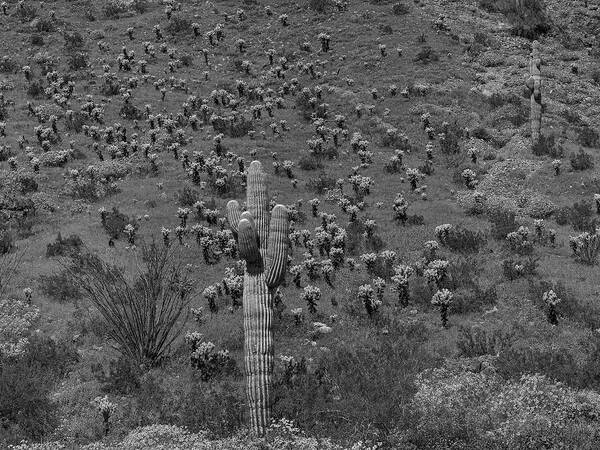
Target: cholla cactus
[
  {"x": 534, "y": 89},
  {"x": 314, "y": 204},
  {"x": 263, "y": 244},
  {"x": 519, "y": 241},
  {"x": 297, "y": 313},
  {"x": 551, "y": 300},
  {"x": 443, "y": 299},
  {"x": 413, "y": 175},
  {"x": 400, "y": 279},
  {"x": 130, "y": 232},
  {"x": 597, "y": 202},
  {"x": 400, "y": 209},
  {"x": 470, "y": 178},
  {"x": 442, "y": 232},
  {"x": 106, "y": 408},
  {"x": 430, "y": 249},
  {"x": 436, "y": 271},
  {"x": 311, "y": 295},
  {"x": 379, "y": 284},
  {"x": 165, "y": 235},
  {"x": 366, "y": 296},
  {"x": 369, "y": 259},
  {"x": 556, "y": 166},
  {"x": 586, "y": 246}
]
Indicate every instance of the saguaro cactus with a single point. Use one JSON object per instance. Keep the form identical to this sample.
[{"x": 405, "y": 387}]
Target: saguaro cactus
[
  {"x": 534, "y": 86},
  {"x": 263, "y": 245}
]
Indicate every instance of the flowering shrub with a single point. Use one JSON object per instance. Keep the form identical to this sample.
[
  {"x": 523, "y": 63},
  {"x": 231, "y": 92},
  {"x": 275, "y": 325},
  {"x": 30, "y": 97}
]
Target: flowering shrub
[
  {"x": 480, "y": 410},
  {"x": 16, "y": 319}
]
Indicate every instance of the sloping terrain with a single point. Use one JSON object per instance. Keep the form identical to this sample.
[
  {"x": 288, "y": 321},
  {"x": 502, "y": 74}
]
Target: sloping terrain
[{"x": 398, "y": 136}]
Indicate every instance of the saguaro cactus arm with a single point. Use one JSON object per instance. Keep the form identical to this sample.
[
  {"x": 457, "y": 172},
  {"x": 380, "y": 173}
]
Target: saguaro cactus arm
[{"x": 534, "y": 87}]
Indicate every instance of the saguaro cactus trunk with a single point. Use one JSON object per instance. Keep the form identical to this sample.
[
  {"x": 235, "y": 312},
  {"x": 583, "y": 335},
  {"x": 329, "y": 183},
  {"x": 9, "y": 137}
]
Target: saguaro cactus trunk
[
  {"x": 534, "y": 86},
  {"x": 263, "y": 245}
]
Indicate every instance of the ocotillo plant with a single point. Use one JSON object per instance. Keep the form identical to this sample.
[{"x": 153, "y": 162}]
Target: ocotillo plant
[
  {"x": 263, "y": 245},
  {"x": 534, "y": 86}
]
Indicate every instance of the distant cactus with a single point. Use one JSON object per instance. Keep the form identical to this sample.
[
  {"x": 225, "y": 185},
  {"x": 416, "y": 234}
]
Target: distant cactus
[
  {"x": 534, "y": 88},
  {"x": 263, "y": 245}
]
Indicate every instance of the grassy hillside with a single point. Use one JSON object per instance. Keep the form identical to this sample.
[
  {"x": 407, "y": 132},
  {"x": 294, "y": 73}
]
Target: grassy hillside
[{"x": 124, "y": 105}]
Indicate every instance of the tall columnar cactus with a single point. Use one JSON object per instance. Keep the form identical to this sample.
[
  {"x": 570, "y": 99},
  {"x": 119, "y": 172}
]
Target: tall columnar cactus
[
  {"x": 534, "y": 86},
  {"x": 263, "y": 245}
]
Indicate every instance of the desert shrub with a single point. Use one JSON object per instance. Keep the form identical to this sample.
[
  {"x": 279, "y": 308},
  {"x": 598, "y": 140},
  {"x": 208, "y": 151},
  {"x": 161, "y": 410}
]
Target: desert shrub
[
  {"x": 450, "y": 144},
  {"x": 426, "y": 55},
  {"x": 45, "y": 25},
  {"x": 179, "y": 24},
  {"x": 187, "y": 196},
  {"x": 37, "y": 39},
  {"x": 461, "y": 408},
  {"x": 59, "y": 287},
  {"x": 131, "y": 112},
  {"x": 588, "y": 137},
  {"x": 122, "y": 377},
  {"x": 77, "y": 60},
  {"x": 62, "y": 247},
  {"x": 113, "y": 8},
  {"x": 547, "y": 145},
  {"x": 462, "y": 239},
  {"x": 400, "y": 9},
  {"x": 581, "y": 216},
  {"x": 26, "y": 12},
  {"x": 235, "y": 128},
  {"x": 320, "y": 6},
  {"x": 187, "y": 60},
  {"x": 309, "y": 162},
  {"x": 6, "y": 151},
  {"x": 392, "y": 360},
  {"x": 321, "y": 183},
  {"x": 529, "y": 18},
  {"x": 479, "y": 339},
  {"x": 142, "y": 310},
  {"x": 503, "y": 222},
  {"x": 114, "y": 223},
  {"x": 73, "y": 40},
  {"x": 36, "y": 89},
  {"x": 7, "y": 65},
  {"x": 581, "y": 160},
  {"x": 26, "y": 384},
  {"x": 7, "y": 241}
]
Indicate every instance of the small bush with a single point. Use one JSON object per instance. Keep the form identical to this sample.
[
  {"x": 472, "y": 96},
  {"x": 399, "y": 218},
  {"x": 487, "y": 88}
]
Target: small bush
[
  {"x": 547, "y": 145},
  {"x": 37, "y": 39},
  {"x": 77, "y": 60},
  {"x": 113, "y": 8},
  {"x": 426, "y": 55},
  {"x": 115, "y": 222},
  {"x": 123, "y": 378},
  {"x": 58, "y": 287},
  {"x": 45, "y": 25},
  {"x": 187, "y": 196},
  {"x": 179, "y": 24},
  {"x": 36, "y": 89},
  {"x": 309, "y": 162},
  {"x": 462, "y": 239},
  {"x": 321, "y": 183},
  {"x": 503, "y": 222},
  {"x": 320, "y": 6},
  {"x": 400, "y": 9},
  {"x": 588, "y": 137},
  {"x": 64, "y": 247},
  {"x": 581, "y": 160}
]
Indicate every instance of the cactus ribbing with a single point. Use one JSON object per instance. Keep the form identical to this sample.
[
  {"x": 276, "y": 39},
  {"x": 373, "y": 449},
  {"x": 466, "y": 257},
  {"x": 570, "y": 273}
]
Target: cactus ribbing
[
  {"x": 263, "y": 245},
  {"x": 534, "y": 86}
]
